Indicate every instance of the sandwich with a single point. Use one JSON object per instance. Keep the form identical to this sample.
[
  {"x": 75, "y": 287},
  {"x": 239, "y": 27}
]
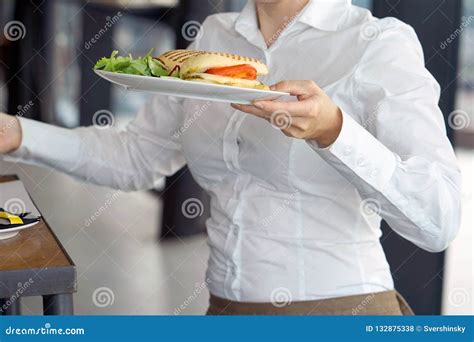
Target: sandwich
[
  {"x": 198, "y": 66},
  {"x": 215, "y": 67}
]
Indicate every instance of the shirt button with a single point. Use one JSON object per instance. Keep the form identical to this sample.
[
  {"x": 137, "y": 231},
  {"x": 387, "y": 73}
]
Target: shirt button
[
  {"x": 234, "y": 228},
  {"x": 360, "y": 162},
  {"x": 374, "y": 173},
  {"x": 348, "y": 151}
]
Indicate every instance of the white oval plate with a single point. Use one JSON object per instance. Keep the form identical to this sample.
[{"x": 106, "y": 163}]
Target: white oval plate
[
  {"x": 195, "y": 90},
  {"x": 11, "y": 232}
]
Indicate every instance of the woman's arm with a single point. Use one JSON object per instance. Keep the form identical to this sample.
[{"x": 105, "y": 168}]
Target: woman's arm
[
  {"x": 395, "y": 152},
  {"x": 10, "y": 133},
  {"x": 130, "y": 159}
]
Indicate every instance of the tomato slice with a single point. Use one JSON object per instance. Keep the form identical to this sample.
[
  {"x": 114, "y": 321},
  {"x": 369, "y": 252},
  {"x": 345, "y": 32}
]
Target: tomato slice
[{"x": 243, "y": 71}]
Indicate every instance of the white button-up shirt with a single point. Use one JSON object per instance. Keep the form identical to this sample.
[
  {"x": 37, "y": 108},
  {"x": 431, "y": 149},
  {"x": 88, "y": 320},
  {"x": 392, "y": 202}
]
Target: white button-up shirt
[{"x": 287, "y": 216}]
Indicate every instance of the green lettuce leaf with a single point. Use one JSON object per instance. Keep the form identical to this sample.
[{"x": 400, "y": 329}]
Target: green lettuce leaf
[
  {"x": 146, "y": 66},
  {"x": 156, "y": 68}
]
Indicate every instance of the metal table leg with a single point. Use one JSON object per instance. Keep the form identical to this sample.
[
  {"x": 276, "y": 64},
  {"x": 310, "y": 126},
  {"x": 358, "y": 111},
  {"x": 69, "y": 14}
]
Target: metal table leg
[
  {"x": 10, "y": 307},
  {"x": 58, "y": 304}
]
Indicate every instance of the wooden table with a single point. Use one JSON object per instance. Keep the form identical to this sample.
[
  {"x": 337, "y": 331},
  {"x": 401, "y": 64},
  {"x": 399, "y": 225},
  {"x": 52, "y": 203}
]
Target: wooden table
[{"x": 34, "y": 263}]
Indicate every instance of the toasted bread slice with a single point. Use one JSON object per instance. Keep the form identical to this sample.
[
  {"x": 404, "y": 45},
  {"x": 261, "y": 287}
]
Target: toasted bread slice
[
  {"x": 223, "y": 80},
  {"x": 192, "y": 62}
]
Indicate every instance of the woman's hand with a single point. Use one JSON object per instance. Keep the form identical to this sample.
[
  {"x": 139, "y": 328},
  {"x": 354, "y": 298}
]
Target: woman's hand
[
  {"x": 313, "y": 117},
  {"x": 10, "y": 133}
]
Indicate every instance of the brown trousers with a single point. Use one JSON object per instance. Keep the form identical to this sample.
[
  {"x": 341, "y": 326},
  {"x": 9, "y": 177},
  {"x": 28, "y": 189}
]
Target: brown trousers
[{"x": 380, "y": 303}]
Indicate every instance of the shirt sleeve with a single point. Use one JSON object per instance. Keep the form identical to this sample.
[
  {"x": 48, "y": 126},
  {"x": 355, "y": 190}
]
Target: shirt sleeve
[
  {"x": 395, "y": 150},
  {"x": 130, "y": 159}
]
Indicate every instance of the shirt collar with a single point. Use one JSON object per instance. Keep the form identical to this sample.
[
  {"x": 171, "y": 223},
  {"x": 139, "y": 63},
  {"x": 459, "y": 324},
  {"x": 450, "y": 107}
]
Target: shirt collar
[
  {"x": 247, "y": 24},
  {"x": 324, "y": 15}
]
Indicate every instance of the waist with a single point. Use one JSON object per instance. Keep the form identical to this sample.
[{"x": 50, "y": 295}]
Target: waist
[
  {"x": 251, "y": 269},
  {"x": 379, "y": 303}
]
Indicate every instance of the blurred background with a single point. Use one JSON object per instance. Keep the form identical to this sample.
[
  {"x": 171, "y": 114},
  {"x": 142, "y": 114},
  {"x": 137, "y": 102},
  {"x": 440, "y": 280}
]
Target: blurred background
[{"x": 154, "y": 263}]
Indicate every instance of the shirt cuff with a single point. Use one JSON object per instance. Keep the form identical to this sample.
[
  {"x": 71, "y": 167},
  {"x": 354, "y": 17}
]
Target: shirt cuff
[
  {"x": 29, "y": 129},
  {"x": 44, "y": 144},
  {"x": 357, "y": 152}
]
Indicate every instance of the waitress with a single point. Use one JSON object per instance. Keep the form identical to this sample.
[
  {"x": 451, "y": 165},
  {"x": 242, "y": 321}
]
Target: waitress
[{"x": 297, "y": 189}]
